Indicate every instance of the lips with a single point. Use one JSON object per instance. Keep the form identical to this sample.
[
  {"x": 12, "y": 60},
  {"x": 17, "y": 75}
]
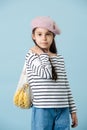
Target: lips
[{"x": 44, "y": 42}]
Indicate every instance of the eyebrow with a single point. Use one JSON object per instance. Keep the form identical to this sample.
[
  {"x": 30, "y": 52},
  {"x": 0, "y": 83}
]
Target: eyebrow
[{"x": 42, "y": 32}]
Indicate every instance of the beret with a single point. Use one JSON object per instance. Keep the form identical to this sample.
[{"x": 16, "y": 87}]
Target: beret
[{"x": 45, "y": 22}]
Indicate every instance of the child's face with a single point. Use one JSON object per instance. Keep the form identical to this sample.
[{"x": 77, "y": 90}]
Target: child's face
[{"x": 43, "y": 37}]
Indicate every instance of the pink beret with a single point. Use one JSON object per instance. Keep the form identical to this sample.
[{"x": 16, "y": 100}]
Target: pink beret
[{"x": 45, "y": 22}]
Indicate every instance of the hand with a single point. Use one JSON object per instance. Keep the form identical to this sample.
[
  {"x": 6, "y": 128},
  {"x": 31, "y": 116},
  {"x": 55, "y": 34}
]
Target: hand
[
  {"x": 36, "y": 50},
  {"x": 74, "y": 119},
  {"x": 39, "y": 51}
]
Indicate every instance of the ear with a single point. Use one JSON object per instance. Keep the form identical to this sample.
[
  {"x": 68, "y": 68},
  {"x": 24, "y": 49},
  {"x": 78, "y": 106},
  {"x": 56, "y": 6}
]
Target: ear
[{"x": 33, "y": 36}]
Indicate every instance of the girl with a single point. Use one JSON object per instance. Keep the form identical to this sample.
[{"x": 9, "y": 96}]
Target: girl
[{"x": 52, "y": 98}]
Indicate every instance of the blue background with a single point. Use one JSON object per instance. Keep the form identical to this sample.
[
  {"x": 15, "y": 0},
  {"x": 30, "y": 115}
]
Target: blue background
[{"x": 15, "y": 40}]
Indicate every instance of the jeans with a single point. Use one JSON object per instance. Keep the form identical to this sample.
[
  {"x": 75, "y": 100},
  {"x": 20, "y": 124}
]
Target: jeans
[{"x": 50, "y": 119}]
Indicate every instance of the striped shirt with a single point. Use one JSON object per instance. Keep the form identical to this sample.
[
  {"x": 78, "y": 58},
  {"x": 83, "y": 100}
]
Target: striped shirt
[{"x": 48, "y": 93}]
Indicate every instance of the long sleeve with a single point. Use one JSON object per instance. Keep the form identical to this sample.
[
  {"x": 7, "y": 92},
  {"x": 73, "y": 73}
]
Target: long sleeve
[
  {"x": 39, "y": 64},
  {"x": 72, "y": 106}
]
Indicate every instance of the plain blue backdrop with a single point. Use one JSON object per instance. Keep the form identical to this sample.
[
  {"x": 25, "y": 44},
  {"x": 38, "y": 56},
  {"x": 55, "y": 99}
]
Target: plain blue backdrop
[{"x": 15, "y": 40}]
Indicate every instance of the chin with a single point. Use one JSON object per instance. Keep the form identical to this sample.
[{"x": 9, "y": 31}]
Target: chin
[{"x": 44, "y": 47}]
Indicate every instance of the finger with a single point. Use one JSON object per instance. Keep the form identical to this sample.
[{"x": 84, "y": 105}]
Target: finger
[{"x": 74, "y": 123}]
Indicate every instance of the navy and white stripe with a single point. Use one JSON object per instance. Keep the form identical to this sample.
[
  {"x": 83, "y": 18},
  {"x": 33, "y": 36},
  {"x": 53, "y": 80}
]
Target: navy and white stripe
[{"x": 48, "y": 93}]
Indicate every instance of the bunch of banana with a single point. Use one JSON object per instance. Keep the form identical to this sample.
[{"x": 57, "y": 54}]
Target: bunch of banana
[{"x": 22, "y": 98}]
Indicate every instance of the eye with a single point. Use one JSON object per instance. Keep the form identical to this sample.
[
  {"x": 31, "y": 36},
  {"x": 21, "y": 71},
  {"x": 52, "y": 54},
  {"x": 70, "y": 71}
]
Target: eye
[
  {"x": 48, "y": 34},
  {"x": 39, "y": 34}
]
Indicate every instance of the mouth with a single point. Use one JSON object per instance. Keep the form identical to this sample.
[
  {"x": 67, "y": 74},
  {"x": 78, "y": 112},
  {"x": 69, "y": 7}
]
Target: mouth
[{"x": 45, "y": 43}]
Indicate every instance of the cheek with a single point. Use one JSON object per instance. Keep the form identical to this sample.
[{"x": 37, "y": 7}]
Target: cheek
[
  {"x": 34, "y": 37},
  {"x": 37, "y": 41},
  {"x": 50, "y": 40}
]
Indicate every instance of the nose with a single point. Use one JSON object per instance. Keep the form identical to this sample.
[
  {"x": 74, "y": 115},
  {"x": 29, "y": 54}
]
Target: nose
[{"x": 44, "y": 37}]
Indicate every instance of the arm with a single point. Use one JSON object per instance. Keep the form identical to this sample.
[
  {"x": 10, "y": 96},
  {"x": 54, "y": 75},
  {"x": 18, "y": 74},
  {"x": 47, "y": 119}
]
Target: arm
[
  {"x": 72, "y": 108},
  {"x": 72, "y": 105},
  {"x": 39, "y": 64}
]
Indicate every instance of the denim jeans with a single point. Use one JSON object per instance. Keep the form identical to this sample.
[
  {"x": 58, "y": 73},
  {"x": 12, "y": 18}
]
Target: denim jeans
[{"x": 50, "y": 119}]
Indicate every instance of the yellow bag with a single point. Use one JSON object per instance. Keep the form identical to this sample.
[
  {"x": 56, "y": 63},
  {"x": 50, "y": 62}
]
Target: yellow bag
[{"x": 22, "y": 97}]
